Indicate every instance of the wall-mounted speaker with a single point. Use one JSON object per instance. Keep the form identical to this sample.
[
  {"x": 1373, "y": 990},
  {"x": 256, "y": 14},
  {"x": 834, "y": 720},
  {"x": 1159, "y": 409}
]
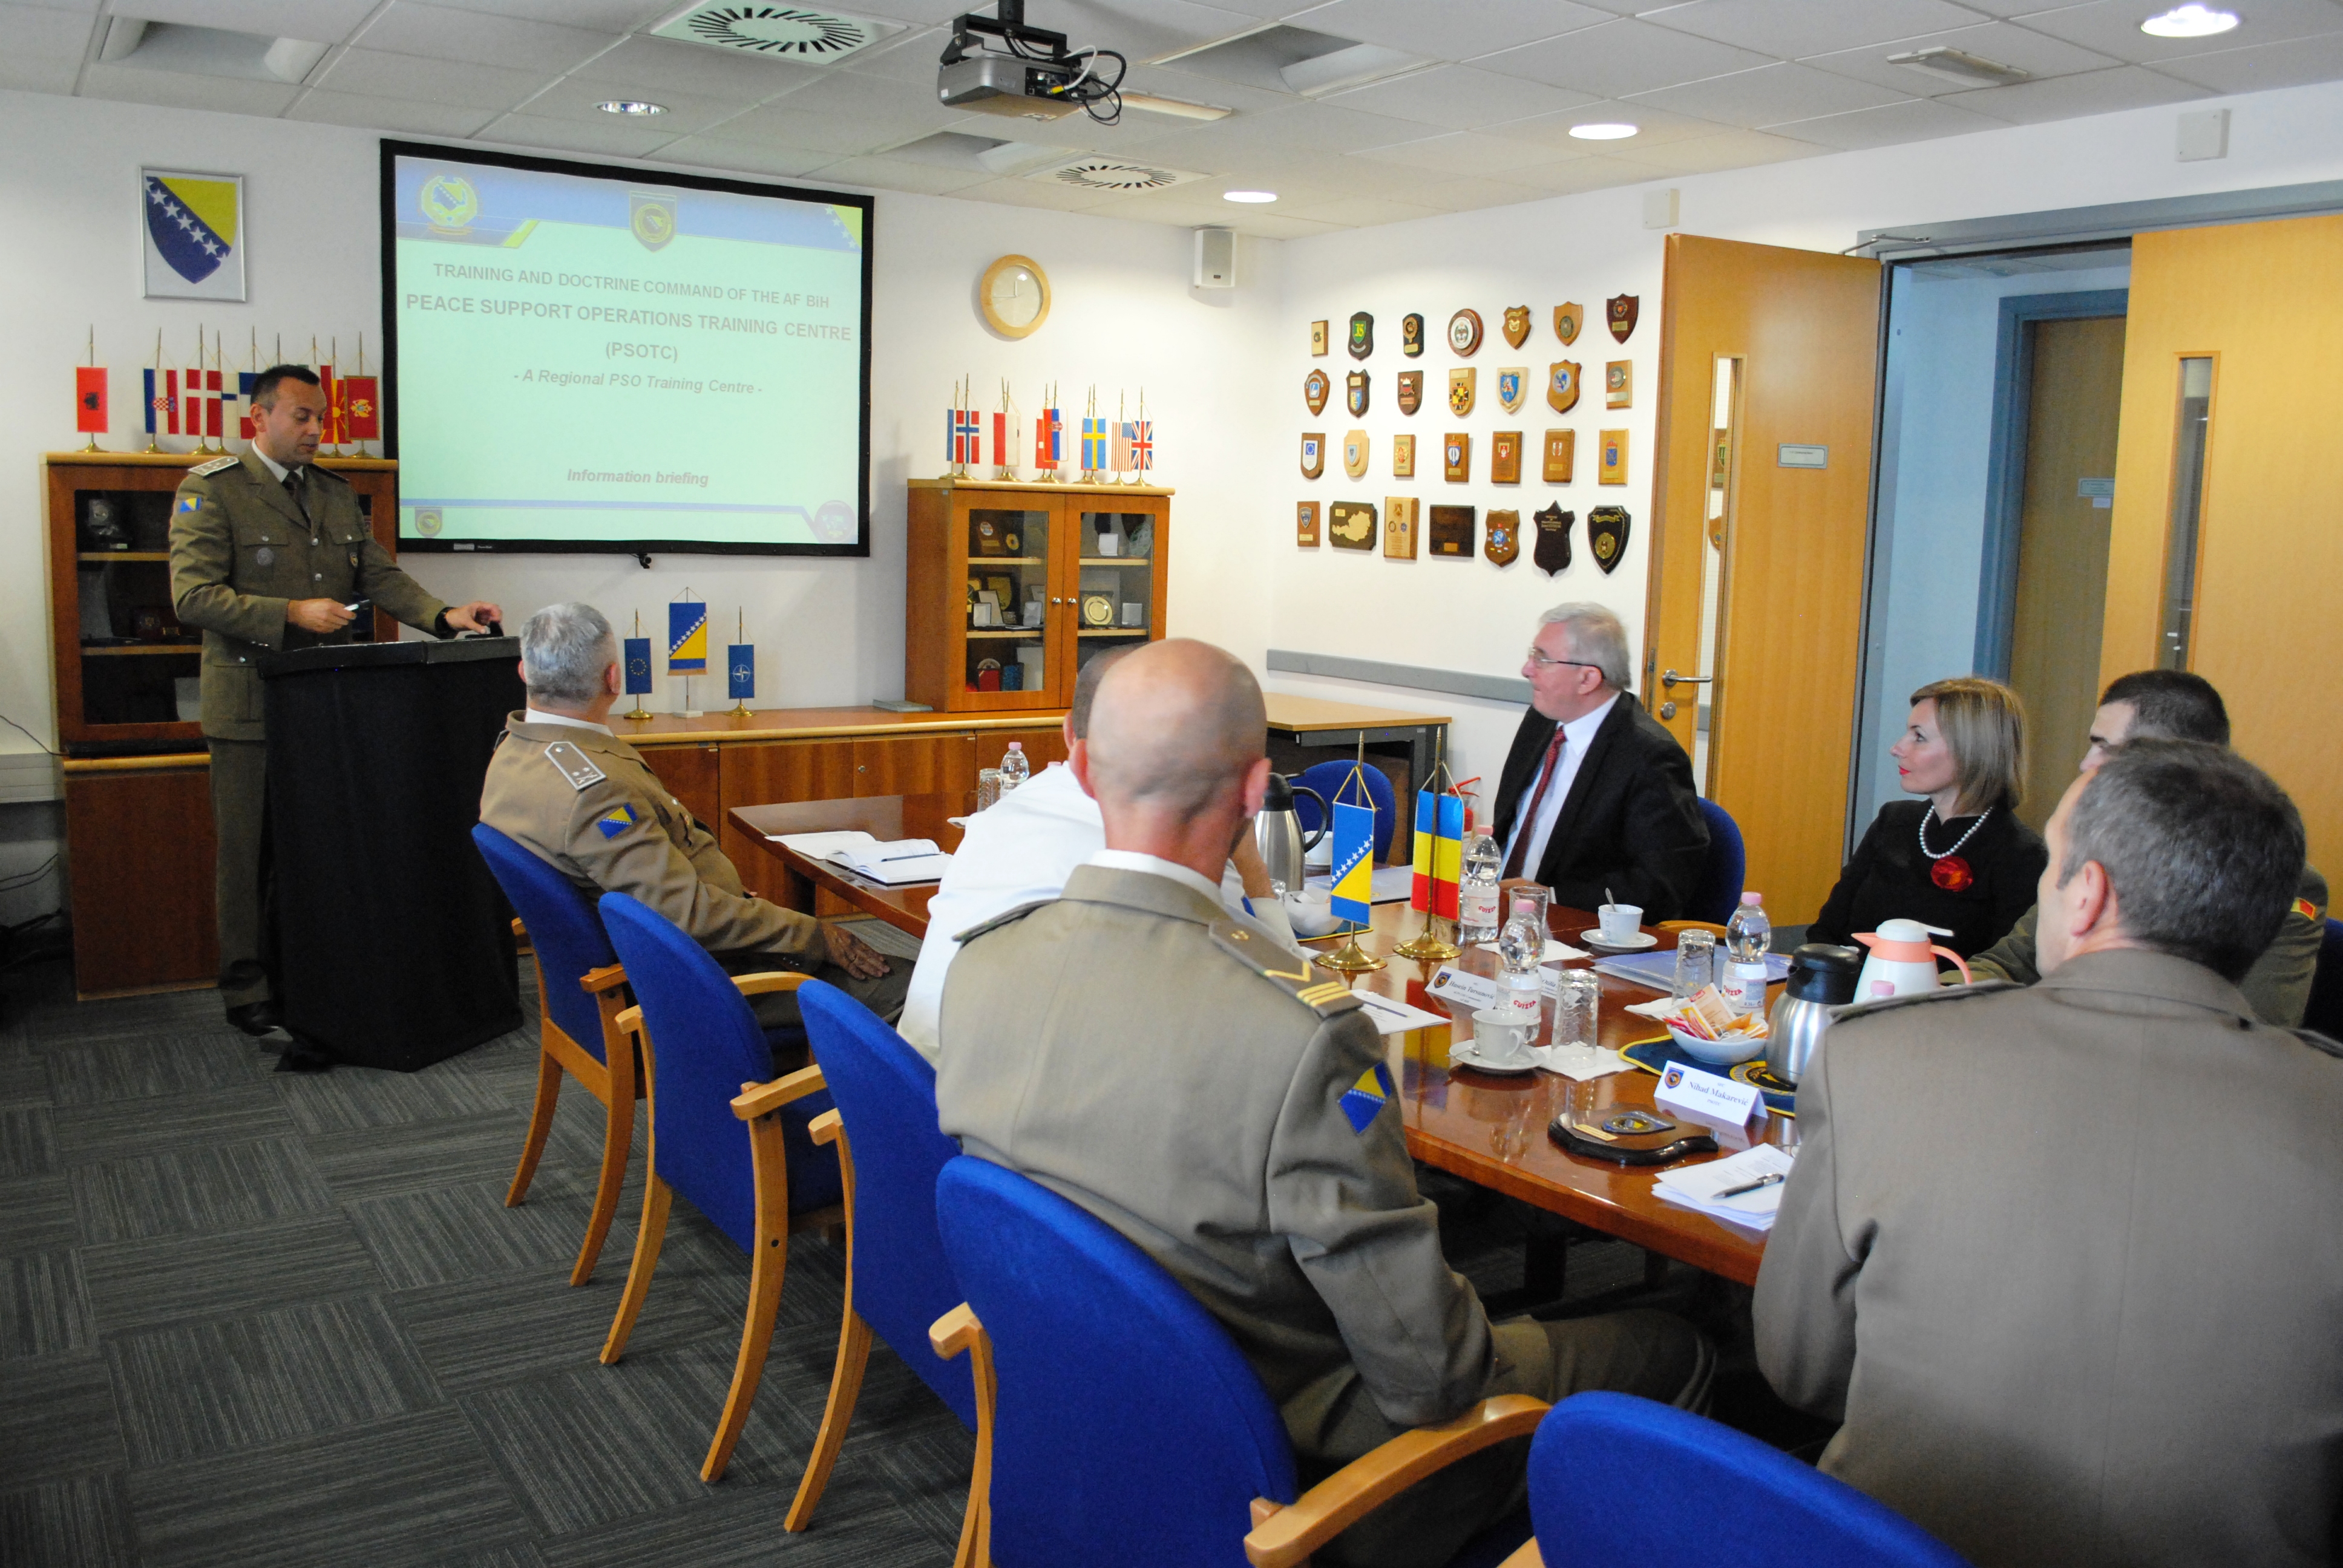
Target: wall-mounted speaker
[{"x": 1216, "y": 259}]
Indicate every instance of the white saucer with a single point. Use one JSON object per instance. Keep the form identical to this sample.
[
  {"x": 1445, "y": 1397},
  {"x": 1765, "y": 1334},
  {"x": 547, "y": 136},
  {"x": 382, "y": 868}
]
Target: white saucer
[
  {"x": 1462, "y": 1054},
  {"x": 1593, "y": 939}
]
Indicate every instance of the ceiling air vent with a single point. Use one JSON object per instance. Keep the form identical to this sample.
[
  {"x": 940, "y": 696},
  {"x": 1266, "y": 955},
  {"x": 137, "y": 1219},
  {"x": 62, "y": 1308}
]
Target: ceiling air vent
[
  {"x": 1114, "y": 175},
  {"x": 797, "y": 33}
]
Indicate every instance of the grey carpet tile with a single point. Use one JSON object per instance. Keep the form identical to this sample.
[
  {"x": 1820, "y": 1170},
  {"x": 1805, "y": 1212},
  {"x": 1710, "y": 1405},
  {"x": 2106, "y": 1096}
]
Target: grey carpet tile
[
  {"x": 198, "y": 1190},
  {"x": 487, "y": 1331},
  {"x": 142, "y": 1068},
  {"x": 80, "y": 1523},
  {"x": 36, "y": 1215},
  {"x": 858, "y": 1525},
  {"x": 440, "y": 1235},
  {"x": 107, "y": 1131},
  {"x": 140, "y": 1284},
  {"x": 24, "y": 1078},
  {"x": 378, "y": 1160},
  {"x": 926, "y": 1466},
  {"x": 57, "y": 1420},
  {"x": 399, "y": 1493},
  {"x": 349, "y": 1098},
  {"x": 43, "y": 1309},
  {"x": 201, "y": 1390},
  {"x": 28, "y": 1142},
  {"x": 509, "y": 1555},
  {"x": 63, "y": 1024}
]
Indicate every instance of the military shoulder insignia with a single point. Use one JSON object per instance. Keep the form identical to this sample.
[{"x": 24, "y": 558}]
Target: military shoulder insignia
[
  {"x": 1465, "y": 333},
  {"x": 1517, "y": 325},
  {"x": 2306, "y": 908},
  {"x": 205, "y": 470},
  {"x": 1326, "y": 998},
  {"x": 1362, "y": 334},
  {"x": 617, "y": 820},
  {"x": 574, "y": 764},
  {"x": 189, "y": 504},
  {"x": 997, "y": 921},
  {"x": 1566, "y": 320},
  {"x": 1620, "y": 309},
  {"x": 1365, "y": 1100}
]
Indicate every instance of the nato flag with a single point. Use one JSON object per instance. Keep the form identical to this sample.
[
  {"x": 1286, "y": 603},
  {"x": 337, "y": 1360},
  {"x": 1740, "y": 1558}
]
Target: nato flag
[
  {"x": 741, "y": 667},
  {"x": 638, "y": 665}
]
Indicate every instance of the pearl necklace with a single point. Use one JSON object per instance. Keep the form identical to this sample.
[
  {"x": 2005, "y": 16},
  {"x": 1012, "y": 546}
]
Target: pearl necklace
[{"x": 1929, "y": 815}]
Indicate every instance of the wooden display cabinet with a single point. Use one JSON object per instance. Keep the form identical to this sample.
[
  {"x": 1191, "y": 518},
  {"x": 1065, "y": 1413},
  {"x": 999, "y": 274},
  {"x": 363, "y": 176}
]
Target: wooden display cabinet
[{"x": 1093, "y": 559}]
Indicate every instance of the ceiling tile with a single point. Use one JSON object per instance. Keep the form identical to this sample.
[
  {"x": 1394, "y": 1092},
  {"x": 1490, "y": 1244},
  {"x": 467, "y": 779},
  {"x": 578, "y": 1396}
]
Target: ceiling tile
[
  {"x": 319, "y": 21},
  {"x": 1790, "y": 28},
  {"x": 1451, "y": 32},
  {"x": 1030, "y": 193},
  {"x": 444, "y": 33},
  {"x": 780, "y": 127},
  {"x": 618, "y": 140},
  {"x": 1140, "y": 29},
  {"x": 1305, "y": 127},
  {"x": 2263, "y": 66},
  {"x": 1360, "y": 212},
  {"x": 179, "y": 90},
  {"x": 644, "y": 67},
  {"x": 742, "y": 158},
  {"x": 2067, "y": 97},
  {"x": 81, "y": 7},
  {"x": 1771, "y": 93},
  {"x": 1270, "y": 226},
  {"x": 895, "y": 174},
  {"x": 38, "y": 30},
  {"x": 2035, "y": 53},
  {"x": 1727, "y": 150},
  {"x": 1461, "y": 152},
  {"x": 377, "y": 74},
  {"x": 576, "y": 98},
  {"x": 1461, "y": 98},
  {"x": 908, "y": 56},
  {"x": 1622, "y": 57},
  {"x": 1575, "y": 174},
  {"x": 374, "y": 113},
  {"x": 1655, "y": 125},
  {"x": 2112, "y": 27},
  {"x": 603, "y": 16},
  {"x": 25, "y": 72},
  {"x": 1913, "y": 120}
]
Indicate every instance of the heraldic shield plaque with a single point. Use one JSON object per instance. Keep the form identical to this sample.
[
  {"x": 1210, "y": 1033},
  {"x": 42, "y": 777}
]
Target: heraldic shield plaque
[
  {"x": 1517, "y": 325},
  {"x": 1354, "y": 394},
  {"x": 1354, "y": 454},
  {"x": 1562, "y": 386},
  {"x": 1512, "y": 386},
  {"x": 1362, "y": 335},
  {"x": 1411, "y": 391},
  {"x": 1504, "y": 537},
  {"x": 1314, "y": 388},
  {"x": 1606, "y": 536},
  {"x": 1461, "y": 384},
  {"x": 1314, "y": 454},
  {"x": 1621, "y": 310},
  {"x": 1567, "y": 320},
  {"x": 1552, "y": 551}
]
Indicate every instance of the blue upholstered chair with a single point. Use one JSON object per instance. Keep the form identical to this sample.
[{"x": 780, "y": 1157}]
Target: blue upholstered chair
[
  {"x": 2325, "y": 1009},
  {"x": 755, "y": 1173},
  {"x": 1116, "y": 1421},
  {"x": 890, "y": 1153},
  {"x": 1617, "y": 1481},
  {"x": 1326, "y": 777},
  {"x": 580, "y": 990},
  {"x": 1718, "y": 893}
]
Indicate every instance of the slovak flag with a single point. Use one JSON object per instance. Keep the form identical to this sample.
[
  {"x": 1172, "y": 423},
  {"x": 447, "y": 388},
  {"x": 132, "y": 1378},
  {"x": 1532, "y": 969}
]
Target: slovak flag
[
  {"x": 968, "y": 442},
  {"x": 1093, "y": 444},
  {"x": 1439, "y": 852},
  {"x": 1049, "y": 439},
  {"x": 1142, "y": 445}
]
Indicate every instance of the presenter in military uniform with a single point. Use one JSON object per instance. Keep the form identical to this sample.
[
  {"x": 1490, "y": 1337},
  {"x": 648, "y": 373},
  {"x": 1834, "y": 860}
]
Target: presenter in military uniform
[
  {"x": 1135, "y": 1046},
  {"x": 267, "y": 551},
  {"x": 575, "y": 795}
]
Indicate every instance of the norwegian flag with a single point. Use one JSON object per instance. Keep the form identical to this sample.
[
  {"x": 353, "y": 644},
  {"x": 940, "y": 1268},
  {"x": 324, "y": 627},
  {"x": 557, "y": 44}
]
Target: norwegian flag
[
  {"x": 968, "y": 442},
  {"x": 1142, "y": 445}
]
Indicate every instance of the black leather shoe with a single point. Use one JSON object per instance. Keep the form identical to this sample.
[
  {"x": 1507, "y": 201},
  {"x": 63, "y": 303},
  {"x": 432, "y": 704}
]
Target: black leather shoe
[{"x": 255, "y": 1017}]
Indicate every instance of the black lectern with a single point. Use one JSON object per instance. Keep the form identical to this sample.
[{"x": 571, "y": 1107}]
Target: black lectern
[{"x": 393, "y": 945}]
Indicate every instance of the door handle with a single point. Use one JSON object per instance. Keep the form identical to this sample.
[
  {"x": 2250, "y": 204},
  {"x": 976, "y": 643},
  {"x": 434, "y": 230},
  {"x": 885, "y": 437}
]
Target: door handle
[{"x": 1672, "y": 679}]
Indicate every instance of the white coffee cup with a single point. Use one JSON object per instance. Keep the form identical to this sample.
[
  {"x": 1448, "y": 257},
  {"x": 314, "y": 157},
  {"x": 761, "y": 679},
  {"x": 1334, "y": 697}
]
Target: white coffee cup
[
  {"x": 1500, "y": 1037},
  {"x": 1619, "y": 922}
]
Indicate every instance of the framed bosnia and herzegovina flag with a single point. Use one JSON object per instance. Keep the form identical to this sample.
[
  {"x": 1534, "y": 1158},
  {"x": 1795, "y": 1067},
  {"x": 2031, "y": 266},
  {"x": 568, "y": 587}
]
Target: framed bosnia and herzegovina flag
[{"x": 194, "y": 229}]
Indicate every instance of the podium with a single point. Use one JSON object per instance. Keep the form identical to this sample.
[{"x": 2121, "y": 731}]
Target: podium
[{"x": 394, "y": 945}]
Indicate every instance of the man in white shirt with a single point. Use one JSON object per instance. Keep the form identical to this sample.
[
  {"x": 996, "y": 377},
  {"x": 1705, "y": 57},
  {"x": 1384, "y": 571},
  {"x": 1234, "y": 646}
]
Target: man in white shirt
[{"x": 1022, "y": 850}]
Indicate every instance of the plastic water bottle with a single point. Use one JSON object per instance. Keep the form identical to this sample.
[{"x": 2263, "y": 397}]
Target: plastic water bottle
[
  {"x": 1521, "y": 954},
  {"x": 1015, "y": 769},
  {"x": 1747, "y": 935},
  {"x": 1476, "y": 889}
]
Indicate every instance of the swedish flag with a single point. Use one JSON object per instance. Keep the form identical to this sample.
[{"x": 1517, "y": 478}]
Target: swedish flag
[{"x": 686, "y": 637}]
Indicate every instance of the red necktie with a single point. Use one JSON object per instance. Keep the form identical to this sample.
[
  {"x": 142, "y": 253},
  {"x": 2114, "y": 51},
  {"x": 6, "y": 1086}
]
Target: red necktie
[{"x": 1527, "y": 826}]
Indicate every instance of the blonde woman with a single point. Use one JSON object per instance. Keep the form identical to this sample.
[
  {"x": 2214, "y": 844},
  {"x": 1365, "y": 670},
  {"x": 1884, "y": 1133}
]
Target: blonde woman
[{"x": 1955, "y": 856}]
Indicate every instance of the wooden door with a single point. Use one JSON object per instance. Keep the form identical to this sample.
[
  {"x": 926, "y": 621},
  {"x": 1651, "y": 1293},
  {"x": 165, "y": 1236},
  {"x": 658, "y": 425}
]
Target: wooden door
[
  {"x": 1801, "y": 329},
  {"x": 2076, "y": 387},
  {"x": 2248, "y": 313},
  {"x": 139, "y": 846}
]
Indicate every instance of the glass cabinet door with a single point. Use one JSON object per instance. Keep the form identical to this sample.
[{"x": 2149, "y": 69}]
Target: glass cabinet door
[
  {"x": 1114, "y": 596},
  {"x": 1010, "y": 630}
]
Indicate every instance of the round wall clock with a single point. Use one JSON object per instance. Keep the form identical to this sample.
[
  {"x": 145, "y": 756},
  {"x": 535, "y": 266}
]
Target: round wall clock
[
  {"x": 1465, "y": 332},
  {"x": 1014, "y": 294}
]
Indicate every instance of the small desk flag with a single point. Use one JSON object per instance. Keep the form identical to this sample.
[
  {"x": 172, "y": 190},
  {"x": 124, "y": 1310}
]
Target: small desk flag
[
  {"x": 1094, "y": 444},
  {"x": 1142, "y": 445},
  {"x": 89, "y": 399},
  {"x": 244, "y": 381},
  {"x": 639, "y": 666},
  {"x": 362, "y": 407},
  {"x": 741, "y": 671},
  {"x": 686, "y": 637},
  {"x": 967, "y": 445},
  {"x": 1049, "y": 439},
  {"x": 1439, "y": 852},
  {"x": 1122, "y": 458},
  {"x": 1354, "y": 842}
]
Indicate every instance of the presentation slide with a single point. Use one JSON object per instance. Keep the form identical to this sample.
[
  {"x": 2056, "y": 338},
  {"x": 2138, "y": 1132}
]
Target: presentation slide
[{"x": 588, "y": 358}]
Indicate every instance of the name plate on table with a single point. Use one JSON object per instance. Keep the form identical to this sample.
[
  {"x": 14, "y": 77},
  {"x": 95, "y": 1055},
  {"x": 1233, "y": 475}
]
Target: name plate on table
[
  {"x": 1707, "y": 1097},
  {"x": 1464, "y": 992}
]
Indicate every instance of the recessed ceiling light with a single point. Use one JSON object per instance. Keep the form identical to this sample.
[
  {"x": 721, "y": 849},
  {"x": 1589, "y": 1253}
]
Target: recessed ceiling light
[
  {"x": 1603, "y": 131},
  {"x": 1249, "y": 195},
  {"x": 631, "y": 106},
  {"x": 2189, "y": 21}
]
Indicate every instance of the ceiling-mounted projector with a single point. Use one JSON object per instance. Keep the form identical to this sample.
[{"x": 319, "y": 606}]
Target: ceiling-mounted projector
[{"x": 1032, "y": 75}]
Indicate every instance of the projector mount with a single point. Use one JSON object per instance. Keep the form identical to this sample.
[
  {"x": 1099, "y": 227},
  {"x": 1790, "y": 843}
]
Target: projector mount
[{"x": 1058, "y": 76}]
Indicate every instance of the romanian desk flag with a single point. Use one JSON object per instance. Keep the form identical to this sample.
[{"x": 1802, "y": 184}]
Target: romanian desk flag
[
  {"x": 89, "y": 399},
  {"x": 362, "y": 407},
  {"x": 1142, "y": 445},
  {"x": 1439, "y": 852},
  {"x": 686, "y": 637},
  {"x": 741, "y": 671},
  {"x": 1093, "y": 444},
  {"x": 639, "y": 666},
  {"x": 1123, "y": 446},
  {"x": 1354, "y": 842}
]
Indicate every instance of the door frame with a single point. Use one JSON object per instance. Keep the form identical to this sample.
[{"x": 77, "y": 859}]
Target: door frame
[{"x": 2005, "y": 494}]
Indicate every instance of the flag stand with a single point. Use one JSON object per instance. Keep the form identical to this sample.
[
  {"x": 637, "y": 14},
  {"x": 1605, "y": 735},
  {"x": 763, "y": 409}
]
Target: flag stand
[
  {"x": 639, "y": 711},
  {"x": 1427, "y": 946},
  {"x": 1350, "y": 958},
  {"x": 154, "y": 395},
  {"x": 92, "y": 445},
  {"x": 740, "y": 709}
]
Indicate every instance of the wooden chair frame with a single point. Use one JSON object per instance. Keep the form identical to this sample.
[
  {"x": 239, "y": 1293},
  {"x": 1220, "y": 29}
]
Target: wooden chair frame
[
  {"x": 1283, "y": 1535},
  {"x": 614, "y": 1080},
  {"x": 769, "y": 1252}
]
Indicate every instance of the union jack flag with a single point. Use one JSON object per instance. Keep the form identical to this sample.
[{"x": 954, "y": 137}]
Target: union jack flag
[
  {"x": 1142, "y": 445},
  {"x": 1093, "y": 444},
  {"x": 968, "y": 443}
]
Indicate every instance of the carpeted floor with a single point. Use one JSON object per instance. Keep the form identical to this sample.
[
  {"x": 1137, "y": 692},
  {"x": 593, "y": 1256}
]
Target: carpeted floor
[{"x": 264, "y": 1318}]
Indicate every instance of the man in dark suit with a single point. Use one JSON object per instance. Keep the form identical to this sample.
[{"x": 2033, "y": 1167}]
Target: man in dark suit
[{"x": 1595, "y": 796}]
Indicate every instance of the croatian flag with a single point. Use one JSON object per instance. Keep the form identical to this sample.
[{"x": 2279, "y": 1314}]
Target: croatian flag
[{"x": 158, "y": 406}]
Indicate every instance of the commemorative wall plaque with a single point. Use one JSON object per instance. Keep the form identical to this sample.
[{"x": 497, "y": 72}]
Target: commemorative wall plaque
[
  {"x": 1620, "y": 310},
  {"x": 1567, "y": 320},
  {"x": 1354, "y": 454},
  {"x": 1305, "y": 524},
  {"x": 1317, "y": 338},
  {"x": 1465, "y": 333},
  {"x": 1456, "y": 457},
  {"x": 1451, "y": 531},
  {"x": 1402, "y": 457},
  {"x": 1362, "y": 334},
  {"x": 1512, "y": 386},
  {"x": 1552, "y": 552},
  {"x": 1505, "y": 461},
  {"x": 1606, "y": 534},
  {"x": 1619, "y": 384},
  {"x": 1561, "y": 455},
  {"x": 1314, "y": 454},
  {"x": 1505, "y": 542},
  {"x": 1411, "y": 391},
  {"x": 1354, "y": 394},
  {"x": 1517, "y": 325},
  {"x": 1613, "y": 467},
  {"x": 1461, "y": 384},
  {"x": 1351, "y": 524},
  {"x": 1411, "y": 334},
  {"x": 1400, "y": 515},
  {"x": 1314, "y": 388},
  {"x": 1562, "y": 386}
]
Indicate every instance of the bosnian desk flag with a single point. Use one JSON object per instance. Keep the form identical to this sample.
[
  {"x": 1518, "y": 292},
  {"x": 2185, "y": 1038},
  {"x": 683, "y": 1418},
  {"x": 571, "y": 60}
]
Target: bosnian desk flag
[
  {"x": 639, "y": 666},
  {"x": 686, "y": 637},
  {"x": 1354, "y": 842},
  {"x": 1439, "y": 852},
  {"x": 741, "y": 671},
  {"x": 89, "y": 399}
]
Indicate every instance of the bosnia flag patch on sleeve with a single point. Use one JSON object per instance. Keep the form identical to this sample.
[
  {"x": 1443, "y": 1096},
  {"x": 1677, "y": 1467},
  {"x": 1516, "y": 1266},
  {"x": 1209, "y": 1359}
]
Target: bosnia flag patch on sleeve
[
  {"x": 1365, "y": 1100},
  {"x": 616, "y": 821}
]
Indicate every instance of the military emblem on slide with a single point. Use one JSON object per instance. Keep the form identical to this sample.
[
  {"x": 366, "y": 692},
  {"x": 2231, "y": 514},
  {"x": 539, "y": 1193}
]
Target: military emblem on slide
[
  {"x": 652, "y": 218},
  {"x": 1354, "y": 394},
  {"x": 1504, "y": 538},
  {"x": 1313, "y": 455},
  {"x": 1517, "y": 325},
  {"x": 1362, "y": 335},
  {"x": 1411, "y": 391},
  {"x": 1552, "y": 551},
  {"x": 449, "y": 203},
  {"x": 1314, "y": 388},
  {"x": 1512, "y": 385},
  {"x": 1410, "y": 335},
  {"x": 1620, "y": 309},
  {"x": 1606, "y": 534},
  {"x": 1354, "y": 454},
  {"x": 1562, "y": 386},
  {"x": 1460, "y": 385},
  {"x": 1567, "y": 320}
]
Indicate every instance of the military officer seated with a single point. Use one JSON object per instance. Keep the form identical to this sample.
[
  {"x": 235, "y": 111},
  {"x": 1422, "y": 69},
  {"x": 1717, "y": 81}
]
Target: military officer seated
[
  {"x": 583, "y": 799},
  {"x": 1136, "y": 1048}
]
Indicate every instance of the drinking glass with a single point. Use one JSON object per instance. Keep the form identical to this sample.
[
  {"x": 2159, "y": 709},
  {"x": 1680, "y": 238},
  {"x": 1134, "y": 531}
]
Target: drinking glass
[
  {"x": 1577, "y": 1008},
  {"x": 1696, "y": 961},
  {"x": 1537, "y": 903},
  {"x": 988, "y": 788}
]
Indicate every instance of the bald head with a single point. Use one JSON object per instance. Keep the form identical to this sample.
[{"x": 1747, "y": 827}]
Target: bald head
[{"x": 1178, "y": 724}]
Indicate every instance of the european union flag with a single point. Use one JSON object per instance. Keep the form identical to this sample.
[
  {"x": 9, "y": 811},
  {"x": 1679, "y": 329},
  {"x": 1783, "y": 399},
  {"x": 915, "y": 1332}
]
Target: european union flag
[
  {"x": 1355, "y": 843},
  {"x": 741, "y": 667},
  {"x": 639, "y": 666},
  {"x": 686, "y": 637}
]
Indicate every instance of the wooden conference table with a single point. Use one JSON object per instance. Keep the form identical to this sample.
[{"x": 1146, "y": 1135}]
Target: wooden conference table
[{"x": 1488, "y": 1130}]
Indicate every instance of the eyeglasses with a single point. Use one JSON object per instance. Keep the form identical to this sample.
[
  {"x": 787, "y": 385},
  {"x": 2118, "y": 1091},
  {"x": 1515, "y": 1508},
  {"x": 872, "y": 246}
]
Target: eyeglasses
[{"x": 1543, "y": 662}]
